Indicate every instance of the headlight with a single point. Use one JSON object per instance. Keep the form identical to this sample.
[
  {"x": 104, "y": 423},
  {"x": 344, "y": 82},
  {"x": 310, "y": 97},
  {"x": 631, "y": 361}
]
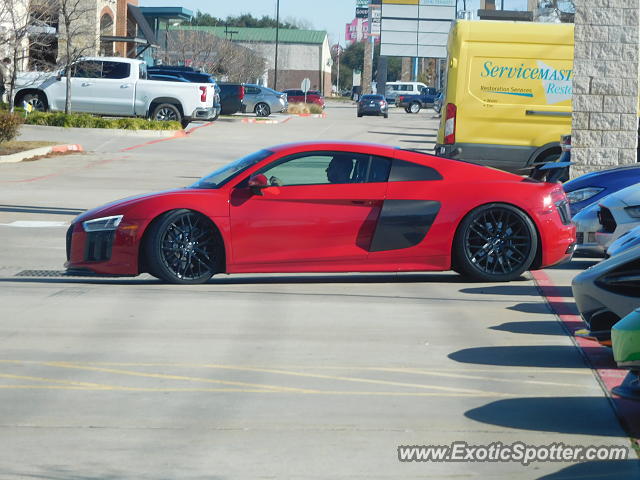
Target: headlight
[
  {"x": 633, "y": 211},
  {"x": 102, "y": 224},
  {"x": 583, "y": 194}
]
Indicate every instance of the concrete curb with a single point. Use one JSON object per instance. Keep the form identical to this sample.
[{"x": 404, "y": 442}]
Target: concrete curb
[
  {"x": 109, "y": 131},
  {"x": 312, "y": 115},
  {"x": 37, "y": 152},
  {"x": 265, "y": 122}
]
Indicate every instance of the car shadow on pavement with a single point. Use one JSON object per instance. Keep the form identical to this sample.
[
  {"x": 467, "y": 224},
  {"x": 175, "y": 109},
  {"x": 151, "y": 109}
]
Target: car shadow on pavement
[
  {"x": 601, "y": 470},
  {"x": 562, "y": 291},
  {"x": 538, "y": 307},
  {"x": 540, "y": 356},
  {"x": 41, "y": 210},
  {"x": 567, "y": 415},
  {"x": 403, "y": 134},
  {"x": 535, "y": 327}
]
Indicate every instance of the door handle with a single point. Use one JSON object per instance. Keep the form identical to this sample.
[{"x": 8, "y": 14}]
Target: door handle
[
  {"x": 125, "y": 85},
  {"x": 361, "y": 202},
  {"x": 86, "y": 84}
]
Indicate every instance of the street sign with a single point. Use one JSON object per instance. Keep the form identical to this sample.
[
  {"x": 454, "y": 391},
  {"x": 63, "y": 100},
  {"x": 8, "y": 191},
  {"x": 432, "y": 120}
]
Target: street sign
[
  {"x": 305, "y": 85},
  {"x": 362, "y": 12}
]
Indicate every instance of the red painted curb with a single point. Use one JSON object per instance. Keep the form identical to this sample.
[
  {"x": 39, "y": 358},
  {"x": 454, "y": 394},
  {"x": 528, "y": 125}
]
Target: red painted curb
[
  {"x": 67, "y": 148},
  {"x": 598, "y": 357}
]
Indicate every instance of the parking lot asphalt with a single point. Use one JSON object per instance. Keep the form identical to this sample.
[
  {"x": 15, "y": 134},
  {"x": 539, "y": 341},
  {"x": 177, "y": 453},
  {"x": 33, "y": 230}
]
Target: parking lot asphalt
[{"x": 268, "y": 376}]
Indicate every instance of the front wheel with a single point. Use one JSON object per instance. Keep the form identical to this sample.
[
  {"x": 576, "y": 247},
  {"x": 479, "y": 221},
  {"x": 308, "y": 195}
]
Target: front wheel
[
  {"x": 495, "y": 243},
  {"x": 183, "y": 247},
  {"x": 36, "y": 100},
  {"x": 166, "y": 112},
  {"x": 262, "y": 110}
]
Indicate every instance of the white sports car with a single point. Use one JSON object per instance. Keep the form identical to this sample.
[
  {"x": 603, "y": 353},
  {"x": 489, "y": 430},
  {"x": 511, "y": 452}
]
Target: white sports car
[{"x": 619, "y": 213}]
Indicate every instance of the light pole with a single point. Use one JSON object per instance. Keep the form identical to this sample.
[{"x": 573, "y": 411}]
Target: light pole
[{"x": 275, "y": 72}]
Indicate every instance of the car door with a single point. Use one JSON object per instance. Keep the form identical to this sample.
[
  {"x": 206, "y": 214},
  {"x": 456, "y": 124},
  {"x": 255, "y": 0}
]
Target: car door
[
  {"x": 251, "y": 97},
  {"x": 310, "y": 218},
  {"x": 116, "y": 89},
  {"x": 84, "y": 86}
]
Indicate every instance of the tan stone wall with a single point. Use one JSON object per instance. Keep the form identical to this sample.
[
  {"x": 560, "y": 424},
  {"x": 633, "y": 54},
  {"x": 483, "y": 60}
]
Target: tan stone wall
[{"x": 605, "y": 84}]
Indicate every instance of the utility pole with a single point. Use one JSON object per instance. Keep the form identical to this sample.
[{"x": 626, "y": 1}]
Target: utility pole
[{"x": 275, "y": 72}]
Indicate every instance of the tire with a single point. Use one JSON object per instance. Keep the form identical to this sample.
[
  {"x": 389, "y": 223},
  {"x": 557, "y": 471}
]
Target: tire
[
  {"x": 37, "y": 100},
  {"x": 414, "y": 107},
  {"x": 262, "y": 110},
  {"x": 359, "y": 115},
  {"x": 166, "y": 112},
  {"x": 406, "y": 109},
  {"x": 494, "y": 243},
  {"x": 386, "y": 115},
  {"x": 183, "y": 247}
]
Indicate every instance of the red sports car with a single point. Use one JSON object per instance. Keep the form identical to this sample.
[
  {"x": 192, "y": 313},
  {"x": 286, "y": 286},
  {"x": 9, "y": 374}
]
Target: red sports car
[{"x": 331, "y": 207}]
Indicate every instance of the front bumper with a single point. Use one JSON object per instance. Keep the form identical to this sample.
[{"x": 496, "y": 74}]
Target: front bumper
[
  {"x": 587, "y": 225},
  {"x": 112, "y": 252}
]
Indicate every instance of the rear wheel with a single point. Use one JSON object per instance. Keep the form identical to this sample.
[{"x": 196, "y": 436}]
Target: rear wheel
[
  {"x": 262, "y": 110},
  {"x": 495, "y": 243},
  {"x": 406, "y": 109},
  {"x": 166, "y": 112},
  {"x": 183, "y": 247},
  {"x": 386, "y": 115},
  {"x": 414, "y": 107}
]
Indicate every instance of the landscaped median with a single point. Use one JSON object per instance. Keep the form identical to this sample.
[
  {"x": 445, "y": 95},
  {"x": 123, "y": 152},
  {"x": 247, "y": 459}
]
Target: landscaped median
[
  {"x": 85, "y": 120},
  {"x": 25, "y": 151}
]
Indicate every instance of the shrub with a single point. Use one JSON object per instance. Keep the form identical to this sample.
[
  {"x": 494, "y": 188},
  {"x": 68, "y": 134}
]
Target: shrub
[
  {"x": 298, "y": 108},
  {"x": 9, "y": 126},
  {"x": 85, "y": 120},
  {"x": 314, "y": 108}
]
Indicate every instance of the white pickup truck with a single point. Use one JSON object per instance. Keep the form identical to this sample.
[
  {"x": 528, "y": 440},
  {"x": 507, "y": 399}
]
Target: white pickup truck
[{"x": 117, "y": 87}]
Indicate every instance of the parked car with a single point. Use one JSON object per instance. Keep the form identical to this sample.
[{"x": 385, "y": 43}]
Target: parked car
[
  {"x": 168, "y": 73},
  {"x": 594, "y": 186},
  {"x": 587, "y": 224},
  {"x": 624, "y": 242},
  {"x": 437, "y": 105},
  {"x": 373, "y": 105},
  {"x": 607, "y": 292},
  {"x": 231, "y": 98},
  {"x": 330, "y": 207},
  {"x": 263, "y": 101},
  {"x": 414, "y": 103},
  {"x": 393, "y": 89},
  {"x": 297, "y": 96},
  {"x": 116, "y": 86},
  {"x": 619, "y": 213},
  {"x": 625, "y": 339}
]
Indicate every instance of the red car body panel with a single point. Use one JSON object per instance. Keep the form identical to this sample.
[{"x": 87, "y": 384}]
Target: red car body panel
[
  {"x": 329, "y": 227},
  {"x": 311, "y": 98}
]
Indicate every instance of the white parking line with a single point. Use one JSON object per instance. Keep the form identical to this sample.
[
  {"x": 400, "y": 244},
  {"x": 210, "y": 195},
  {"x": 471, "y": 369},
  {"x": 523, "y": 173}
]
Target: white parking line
[{"x": 35, "y": 224}]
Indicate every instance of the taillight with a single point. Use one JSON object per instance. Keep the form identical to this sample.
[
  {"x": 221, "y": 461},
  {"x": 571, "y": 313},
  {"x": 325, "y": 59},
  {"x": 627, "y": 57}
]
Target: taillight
[
  {"x": 203, "y": 95},
  {"x": 401, "y": 98},
  {"x": 241, "y": 92},
  {"x": 450, "y": 124}
]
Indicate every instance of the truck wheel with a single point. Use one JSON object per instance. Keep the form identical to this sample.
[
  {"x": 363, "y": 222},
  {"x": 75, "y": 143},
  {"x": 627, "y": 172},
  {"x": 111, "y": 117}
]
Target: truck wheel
[
  {"x": 406, "y": 109},
  {"x": 37, "y": 100},
  {"x": 414, "y": 107},
  {"x": 167, "y": 112}
]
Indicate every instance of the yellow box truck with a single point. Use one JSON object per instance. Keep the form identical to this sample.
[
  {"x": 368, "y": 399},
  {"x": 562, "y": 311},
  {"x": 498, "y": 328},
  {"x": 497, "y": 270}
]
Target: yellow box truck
[{"x": 508, "y": 92}]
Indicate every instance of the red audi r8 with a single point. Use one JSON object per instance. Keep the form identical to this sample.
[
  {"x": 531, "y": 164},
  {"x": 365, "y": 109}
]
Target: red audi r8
[{"x": 331, "y": 207}]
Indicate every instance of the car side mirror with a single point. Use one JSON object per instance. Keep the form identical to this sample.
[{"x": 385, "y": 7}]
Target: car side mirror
[
  {"x": 59, "y": 77},
  {"x": 257, "y": 183}
]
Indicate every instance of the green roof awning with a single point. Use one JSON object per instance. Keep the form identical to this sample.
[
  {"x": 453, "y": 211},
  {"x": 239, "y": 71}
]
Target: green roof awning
[{"x": 262, "y": 35}]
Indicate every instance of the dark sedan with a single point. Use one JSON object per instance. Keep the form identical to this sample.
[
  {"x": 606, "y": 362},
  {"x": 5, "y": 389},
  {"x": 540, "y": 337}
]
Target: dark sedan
[{"x": 373, "y": 105}]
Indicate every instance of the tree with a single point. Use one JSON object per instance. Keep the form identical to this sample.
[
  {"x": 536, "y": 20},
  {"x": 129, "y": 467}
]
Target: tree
[
  {"x": 23, "y": 28},
  {"x": 77, "y": 38},
  {"x": 245, "y": 20},
  {"x": 213, "y": 54}
]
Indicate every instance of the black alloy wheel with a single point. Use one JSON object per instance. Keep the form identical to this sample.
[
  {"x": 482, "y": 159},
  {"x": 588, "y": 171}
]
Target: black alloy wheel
[
  {"x": 495, "y": 243},
  {"x": 183, "y": 247}
]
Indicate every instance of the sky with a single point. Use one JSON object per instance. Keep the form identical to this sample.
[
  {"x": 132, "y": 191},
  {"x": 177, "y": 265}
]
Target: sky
[{"x": 328, "y": 15}]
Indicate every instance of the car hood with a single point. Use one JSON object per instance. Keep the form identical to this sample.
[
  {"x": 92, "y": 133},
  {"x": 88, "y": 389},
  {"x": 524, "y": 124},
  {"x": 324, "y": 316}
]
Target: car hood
[{"x": 120, "y": 207}]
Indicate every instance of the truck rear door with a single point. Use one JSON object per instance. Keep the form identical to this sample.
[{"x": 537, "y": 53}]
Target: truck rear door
[{"x": 116, "y": 88}]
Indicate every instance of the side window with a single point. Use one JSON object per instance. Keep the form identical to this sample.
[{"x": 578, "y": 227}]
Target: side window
[
  {"x": 251, "y": 90},
  {"x": 142, "y": 72},
  {"x": 115, "y": 70},
  {"x": 87, "y": 69},
  {"x": 403, "y": 171},
  {"x": 321, "y": 168}
]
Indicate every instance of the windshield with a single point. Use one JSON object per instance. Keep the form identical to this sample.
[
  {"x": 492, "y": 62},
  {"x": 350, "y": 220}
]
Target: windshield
[{"x": 226, "y": 173}]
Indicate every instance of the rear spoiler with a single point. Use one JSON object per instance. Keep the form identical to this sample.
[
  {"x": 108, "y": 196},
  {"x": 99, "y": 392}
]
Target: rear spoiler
[{"x": 550, "y": 172}]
